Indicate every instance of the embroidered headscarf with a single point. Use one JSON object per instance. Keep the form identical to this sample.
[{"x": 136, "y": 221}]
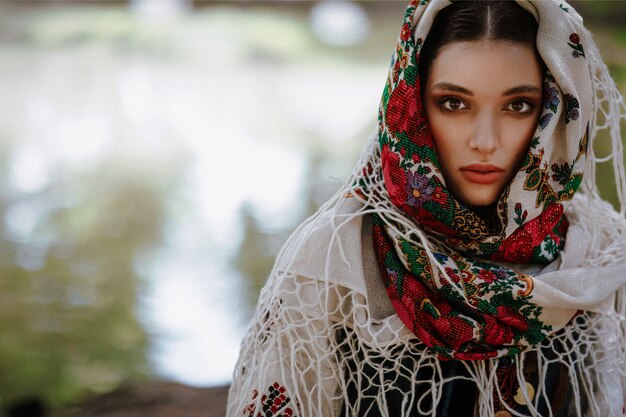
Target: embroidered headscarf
[
  {"x": 463, "y": 305},
  {"x": 324, "y": 340}
]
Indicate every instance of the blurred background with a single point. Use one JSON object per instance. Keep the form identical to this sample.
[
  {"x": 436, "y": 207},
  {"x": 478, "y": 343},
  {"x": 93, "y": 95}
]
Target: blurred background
[{"x": 154, "y": 155}]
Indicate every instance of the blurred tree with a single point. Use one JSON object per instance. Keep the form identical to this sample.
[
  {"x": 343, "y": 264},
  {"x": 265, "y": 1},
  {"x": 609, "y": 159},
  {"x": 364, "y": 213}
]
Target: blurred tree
[
  {"x": 606, "y": 12},
  {"x": 69, "y": 289},
  {"x": 259, "y": 246},
  {"x": 255, "y": 257}
]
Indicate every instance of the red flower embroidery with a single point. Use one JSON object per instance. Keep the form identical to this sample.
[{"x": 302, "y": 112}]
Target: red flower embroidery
[
  {"x": 487, "y": 276},
  {"x": 467, "y": 276},
  {"x": 274, "y": 403},
  {"x": 512, "y": 318},
  {"x": 498, "y": 330},
  {"x": 520, "y": 245},
  {"x": 427, "y": 219},
  {"x": 454, "y": 330},
  {"x": 495, "y": 333},
  {"x": 395, "y": 179},
  {"x": 405, "y": 34},
  {"x": 436, "y": 324},
  {"x": 401, "y": 109},
  {"x": 452, "y": 274},
  {"x": 439, "y": 196}
]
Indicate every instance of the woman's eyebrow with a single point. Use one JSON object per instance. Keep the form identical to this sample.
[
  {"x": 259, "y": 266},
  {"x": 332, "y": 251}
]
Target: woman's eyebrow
[
  {"x": 452, "y": 87},
  {"x": 522, "y": 89}
]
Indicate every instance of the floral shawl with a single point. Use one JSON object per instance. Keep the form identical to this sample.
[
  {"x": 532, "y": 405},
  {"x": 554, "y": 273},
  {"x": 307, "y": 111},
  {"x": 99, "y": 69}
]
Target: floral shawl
[
  {"x": 463, "y": 305},
  {"x": 527, "y": 314}
]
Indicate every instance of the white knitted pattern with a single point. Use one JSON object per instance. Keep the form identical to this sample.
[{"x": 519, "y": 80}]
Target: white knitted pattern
[{"x": 316, "y": 336}]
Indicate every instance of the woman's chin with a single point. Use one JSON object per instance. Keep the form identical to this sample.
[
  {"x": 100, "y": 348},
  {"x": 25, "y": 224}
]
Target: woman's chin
[{"x": 478, "y": 196}]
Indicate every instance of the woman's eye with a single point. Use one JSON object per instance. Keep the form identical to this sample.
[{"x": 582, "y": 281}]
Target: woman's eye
[
  {"x": 519, "y": 106},
  {"x": 452, "y": 104}
]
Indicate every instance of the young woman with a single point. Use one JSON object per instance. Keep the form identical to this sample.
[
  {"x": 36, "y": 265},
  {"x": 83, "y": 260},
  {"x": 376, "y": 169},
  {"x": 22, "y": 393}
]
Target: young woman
[{"x": 469, "y": 266}]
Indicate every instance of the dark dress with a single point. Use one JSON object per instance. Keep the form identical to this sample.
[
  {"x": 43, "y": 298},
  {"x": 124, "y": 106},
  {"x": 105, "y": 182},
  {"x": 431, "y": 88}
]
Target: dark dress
[{"x": 458, "y": 397}]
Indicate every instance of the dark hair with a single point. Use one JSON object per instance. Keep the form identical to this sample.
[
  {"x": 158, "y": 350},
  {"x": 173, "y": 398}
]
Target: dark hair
[{"x": 477, "y": 20}]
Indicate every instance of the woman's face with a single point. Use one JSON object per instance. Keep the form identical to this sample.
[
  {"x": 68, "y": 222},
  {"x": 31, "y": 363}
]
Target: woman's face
[{"x": 482, "y": 100}]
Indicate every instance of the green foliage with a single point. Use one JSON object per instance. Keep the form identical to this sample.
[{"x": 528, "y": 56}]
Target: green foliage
[
  {"x": 69, "y": 289},
  {"x": 255, "y": 256}
]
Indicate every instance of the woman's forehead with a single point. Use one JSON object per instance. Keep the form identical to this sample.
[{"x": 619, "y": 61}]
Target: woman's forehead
[{"x": 486, "y": 65}]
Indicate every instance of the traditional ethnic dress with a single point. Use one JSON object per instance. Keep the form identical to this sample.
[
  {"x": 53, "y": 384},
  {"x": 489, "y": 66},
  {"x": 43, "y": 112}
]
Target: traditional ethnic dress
[{"x": 395, "y": 299}]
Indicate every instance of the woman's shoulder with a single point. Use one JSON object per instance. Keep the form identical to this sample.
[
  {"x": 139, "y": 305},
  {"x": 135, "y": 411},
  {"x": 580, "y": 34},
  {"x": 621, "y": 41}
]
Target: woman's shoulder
[
  {"x": 328, "y": 246},
  {"x": 595, "y": 230},
  {"x": 336, "y": 247}
]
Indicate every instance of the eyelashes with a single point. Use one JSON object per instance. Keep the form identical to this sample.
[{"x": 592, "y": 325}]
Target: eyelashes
[
  {"x": 520, "y": 106},
  {"x": 452, "y": 104},
  {"x": 455, "y": 104}
]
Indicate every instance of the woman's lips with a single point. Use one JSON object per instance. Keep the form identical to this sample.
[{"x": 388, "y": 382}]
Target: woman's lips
[{"x": 482, "y": 173}]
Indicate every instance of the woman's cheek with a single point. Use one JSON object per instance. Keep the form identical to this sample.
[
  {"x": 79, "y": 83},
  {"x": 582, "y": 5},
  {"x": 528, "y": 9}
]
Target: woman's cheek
[
  {"x": 522, "y": 134},
  {"x": 448, "y": 134}
]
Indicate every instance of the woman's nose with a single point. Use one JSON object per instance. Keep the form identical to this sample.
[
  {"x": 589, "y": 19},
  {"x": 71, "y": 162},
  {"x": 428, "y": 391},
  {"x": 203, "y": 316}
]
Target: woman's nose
[{"x": 486, "y": 135}]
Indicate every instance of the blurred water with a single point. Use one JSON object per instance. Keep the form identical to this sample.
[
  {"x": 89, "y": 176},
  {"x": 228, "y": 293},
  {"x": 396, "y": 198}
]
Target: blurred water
[
  {"x": 217, "y": 122},
  {"x": 184, "y": 144}
]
